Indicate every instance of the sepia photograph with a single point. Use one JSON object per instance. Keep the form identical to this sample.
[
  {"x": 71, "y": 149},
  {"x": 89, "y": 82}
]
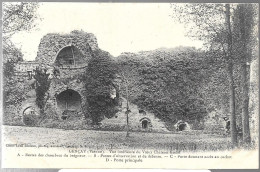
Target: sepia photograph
[{"x": 130, "y": 85}]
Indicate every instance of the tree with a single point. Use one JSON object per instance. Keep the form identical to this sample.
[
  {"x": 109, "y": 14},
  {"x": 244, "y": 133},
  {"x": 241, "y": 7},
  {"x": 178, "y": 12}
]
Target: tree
[
  {"x": 128, "y": 76},
  {"x": 99, "y": 78},
  {"x": 228, "y": 29},
  {"x": 12, "y": 92},
  {"x": 244, "y": 24},
  {"x": 229, "y": 57},
  {"x": 17, "y": 16},
  {"x": 42, "y": 86},
  {"x": 212, "y": 24}
]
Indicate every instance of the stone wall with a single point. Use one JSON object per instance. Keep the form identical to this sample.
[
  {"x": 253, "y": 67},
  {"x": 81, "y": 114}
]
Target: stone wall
[
  {"x": 254, "y": 100},
  {"x": 135, "y": 120},
  {"x": 214, "y": 122},
  {"x": 58, "y": 86},
  {"x": 51, "y": 44},
  {"x": 65, "y": 76},
  {"x": 25, "y": 66},
  {"x": 22, "y": 69}
]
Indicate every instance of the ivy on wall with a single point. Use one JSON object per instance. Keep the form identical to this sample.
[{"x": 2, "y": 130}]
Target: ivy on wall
[
  {"x": 42, "y": 86},
  {"x": 99, "y": 78}
]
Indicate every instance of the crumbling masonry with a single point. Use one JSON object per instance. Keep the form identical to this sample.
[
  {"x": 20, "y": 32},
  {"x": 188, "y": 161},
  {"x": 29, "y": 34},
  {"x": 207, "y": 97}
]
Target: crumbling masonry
[{"x": 65, "y": 57}]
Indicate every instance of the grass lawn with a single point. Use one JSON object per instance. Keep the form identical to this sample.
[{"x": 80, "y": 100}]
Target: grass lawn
[{"x": 94, "y": 139}]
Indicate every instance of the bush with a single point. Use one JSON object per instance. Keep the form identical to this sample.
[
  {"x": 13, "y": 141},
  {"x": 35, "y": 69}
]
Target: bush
[
  {"x": 31, "y": 120},
  {"x": 99, "y": 83},
  {"x": 11, "y": 119},
  {"x": 10, "y": 116},
  {"x": 49, "y": 123}
]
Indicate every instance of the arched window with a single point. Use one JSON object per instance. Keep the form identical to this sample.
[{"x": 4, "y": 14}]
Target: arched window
[{"x": 69, "y": 55}]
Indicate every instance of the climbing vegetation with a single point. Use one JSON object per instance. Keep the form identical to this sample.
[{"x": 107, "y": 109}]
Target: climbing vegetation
[
  {"x": 99, "y": 78},
  {"x": 42, "y": 86}
]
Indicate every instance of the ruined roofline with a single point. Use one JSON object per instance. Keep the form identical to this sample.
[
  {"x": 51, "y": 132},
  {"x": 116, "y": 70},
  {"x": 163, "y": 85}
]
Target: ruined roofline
[
  {"x": 52, "y": 43},
  {"x": 91, "y": 37},
  {"x": 74, "y": 32}
]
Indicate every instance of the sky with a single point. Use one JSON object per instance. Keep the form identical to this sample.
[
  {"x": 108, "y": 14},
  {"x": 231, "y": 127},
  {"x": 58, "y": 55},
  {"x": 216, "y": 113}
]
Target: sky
[{"x": 119, "y": 27}]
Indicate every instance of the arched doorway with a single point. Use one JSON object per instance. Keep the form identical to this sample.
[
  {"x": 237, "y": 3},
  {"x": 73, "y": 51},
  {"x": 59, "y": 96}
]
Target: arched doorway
[
  {"x": 30, "y": 116},
  {"x": 144, "y": 124},
  {"x": 69, "y": 100},
  {"x": 181, "y": 126}
]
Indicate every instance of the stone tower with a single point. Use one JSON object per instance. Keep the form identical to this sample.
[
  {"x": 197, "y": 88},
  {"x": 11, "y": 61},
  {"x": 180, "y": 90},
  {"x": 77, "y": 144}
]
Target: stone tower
[{"x": 66, "y": 57}]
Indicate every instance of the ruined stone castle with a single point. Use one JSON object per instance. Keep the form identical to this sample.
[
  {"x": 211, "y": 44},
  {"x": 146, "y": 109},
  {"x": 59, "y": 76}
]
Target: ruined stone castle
[{"x": 65, "y": 58}]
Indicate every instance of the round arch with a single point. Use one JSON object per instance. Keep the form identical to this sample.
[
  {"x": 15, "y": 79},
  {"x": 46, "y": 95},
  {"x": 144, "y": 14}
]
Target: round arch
[
  {"x": 25, "y": 109},
  {"x": 145, "y": 123},
  {"x": 68, "y": 55},
  {"x": 69, "y": 100}
]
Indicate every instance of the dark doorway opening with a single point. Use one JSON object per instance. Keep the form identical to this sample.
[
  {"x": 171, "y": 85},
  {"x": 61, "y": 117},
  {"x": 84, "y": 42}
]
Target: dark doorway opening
[
  {"x": 182, "y": 127},
  {"x": 69, "y": 100},
  {"x": 144, "y": 124}
]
